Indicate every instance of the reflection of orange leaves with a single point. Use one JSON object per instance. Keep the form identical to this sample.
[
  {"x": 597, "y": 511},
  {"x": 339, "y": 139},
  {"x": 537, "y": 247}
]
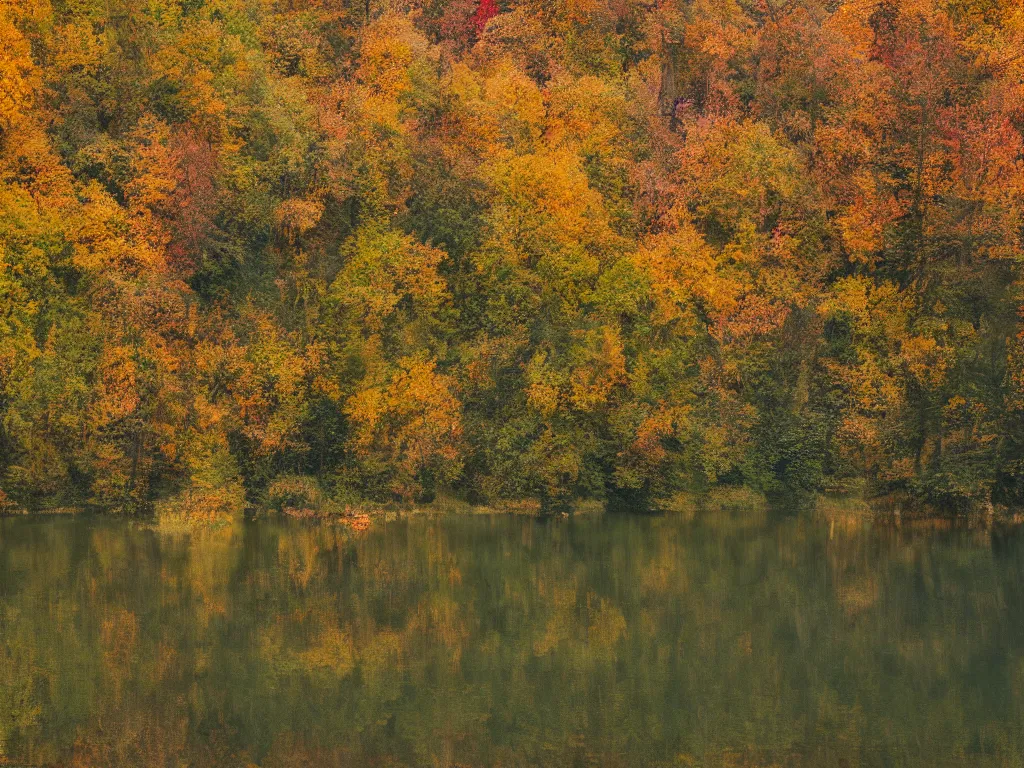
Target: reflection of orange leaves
[
  {"x": 359, "y": 523},
  {"x": 607, "y": 624},
  {"x": 562, "y": 620},
  {"x": 441, "y": 618},
  {"x": 380, "y": 654},
  {"x": 119, "y": 632},
  {"x": 858, "y": 595},
  {"x": 333, "y": 651}
]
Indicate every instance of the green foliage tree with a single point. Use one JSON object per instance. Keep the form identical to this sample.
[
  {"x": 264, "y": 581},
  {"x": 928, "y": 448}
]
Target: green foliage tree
[{"x": 509, "y": 249}]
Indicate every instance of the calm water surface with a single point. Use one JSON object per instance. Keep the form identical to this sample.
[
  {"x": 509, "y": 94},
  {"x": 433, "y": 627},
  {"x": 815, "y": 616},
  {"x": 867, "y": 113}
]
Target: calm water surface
[{"x": 734, "y": 640}]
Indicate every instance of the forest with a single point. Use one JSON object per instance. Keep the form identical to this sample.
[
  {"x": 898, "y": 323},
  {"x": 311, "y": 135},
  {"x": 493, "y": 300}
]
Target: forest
[{"x": 333, "y": 253}]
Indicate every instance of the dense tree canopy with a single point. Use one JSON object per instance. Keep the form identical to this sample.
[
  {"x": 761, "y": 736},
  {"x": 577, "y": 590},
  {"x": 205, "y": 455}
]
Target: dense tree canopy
[{"x": 581, "y": 248}]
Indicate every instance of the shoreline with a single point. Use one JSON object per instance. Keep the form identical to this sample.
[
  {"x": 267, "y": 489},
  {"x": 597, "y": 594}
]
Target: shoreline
[{"x": 846, "y": 508}]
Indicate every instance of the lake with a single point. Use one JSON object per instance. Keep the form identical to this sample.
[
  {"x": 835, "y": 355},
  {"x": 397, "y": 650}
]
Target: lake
[{"x": 738, "y": 638}]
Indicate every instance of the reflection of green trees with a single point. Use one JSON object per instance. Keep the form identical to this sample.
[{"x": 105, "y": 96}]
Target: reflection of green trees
[{"x": 733, "y": 640}]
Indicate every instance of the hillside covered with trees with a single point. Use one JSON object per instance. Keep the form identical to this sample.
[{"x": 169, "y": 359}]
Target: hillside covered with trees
[{"x": 509, "y": 249}]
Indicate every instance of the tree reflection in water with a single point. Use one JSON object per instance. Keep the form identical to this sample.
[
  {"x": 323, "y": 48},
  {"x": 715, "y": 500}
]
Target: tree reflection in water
[{"x": 613, "y": 640}]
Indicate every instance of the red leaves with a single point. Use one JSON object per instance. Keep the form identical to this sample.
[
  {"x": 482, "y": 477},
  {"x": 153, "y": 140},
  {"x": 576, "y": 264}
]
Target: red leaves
[{"x": 485, "y": 11}]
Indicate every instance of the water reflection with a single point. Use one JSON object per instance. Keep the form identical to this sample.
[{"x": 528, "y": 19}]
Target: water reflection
[{"x": 732, "y": 640}]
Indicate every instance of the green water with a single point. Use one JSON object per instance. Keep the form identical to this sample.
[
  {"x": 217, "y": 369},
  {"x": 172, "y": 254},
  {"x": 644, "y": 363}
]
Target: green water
[{"x": 611, "y": 640}]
